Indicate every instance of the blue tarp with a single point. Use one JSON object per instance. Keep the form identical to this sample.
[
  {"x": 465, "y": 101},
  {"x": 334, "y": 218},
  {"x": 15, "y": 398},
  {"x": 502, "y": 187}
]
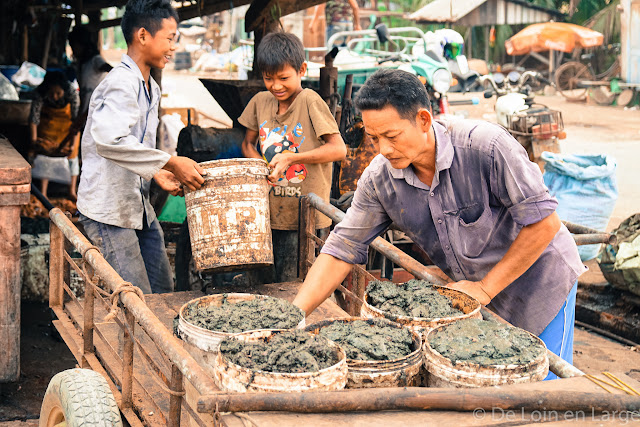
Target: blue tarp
[{"x": 586, "y": 189}]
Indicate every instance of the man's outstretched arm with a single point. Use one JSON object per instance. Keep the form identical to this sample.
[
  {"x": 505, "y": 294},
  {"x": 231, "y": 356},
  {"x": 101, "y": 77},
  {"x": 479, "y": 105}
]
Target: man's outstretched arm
[{"x": 326, "y": 273}]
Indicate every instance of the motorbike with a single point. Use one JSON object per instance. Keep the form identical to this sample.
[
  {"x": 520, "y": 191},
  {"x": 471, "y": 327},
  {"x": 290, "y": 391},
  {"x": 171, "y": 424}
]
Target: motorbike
[
  {"x": 537, "y": 127},
  {"x": 411, "y": 53}
]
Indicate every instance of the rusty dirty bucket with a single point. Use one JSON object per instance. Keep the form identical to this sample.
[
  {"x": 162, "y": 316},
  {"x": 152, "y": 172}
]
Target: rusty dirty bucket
[
  {"x": 232, "y": 377},
  {"x": 400, "y": 372},
  {"x": 206, "y": 339},
  {"x": 463, "y": 302},
  {"x": 442, "y": 372},
  {"x": 228, "y": 216}
]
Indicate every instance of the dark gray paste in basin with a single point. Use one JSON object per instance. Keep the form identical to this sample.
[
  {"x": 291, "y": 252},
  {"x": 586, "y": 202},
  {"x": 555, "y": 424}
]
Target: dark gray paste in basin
[
  {"x": 416, "y": 298},
  {"x": 365, "y": 341},
  {"x": 259, "y": 313},
  {"x": 289, "y": 352},
  {"x": 485, "y": 343}
]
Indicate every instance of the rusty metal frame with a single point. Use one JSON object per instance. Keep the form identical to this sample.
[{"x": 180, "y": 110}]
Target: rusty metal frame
[
  {"x": 87, "y": 340},
  {"x": 312, "y": 202}
]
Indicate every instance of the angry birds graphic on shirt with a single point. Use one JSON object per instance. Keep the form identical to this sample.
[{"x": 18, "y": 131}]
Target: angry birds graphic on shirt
[{"x": 276, "y": 141}]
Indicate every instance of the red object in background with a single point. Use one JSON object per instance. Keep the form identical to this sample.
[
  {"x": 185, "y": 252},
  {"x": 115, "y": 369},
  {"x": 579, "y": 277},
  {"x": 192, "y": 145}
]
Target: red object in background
[
  {"x": 492, "y": 36},
  {"x": 545, "y": 130},
  {"x": 444, "y": 105}
]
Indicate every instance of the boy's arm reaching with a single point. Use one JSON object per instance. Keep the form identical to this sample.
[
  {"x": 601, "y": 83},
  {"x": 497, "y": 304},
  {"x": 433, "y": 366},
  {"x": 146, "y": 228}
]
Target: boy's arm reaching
[
  {"x": 111, "y": 124},
  {"x": 332, "y": 150}
]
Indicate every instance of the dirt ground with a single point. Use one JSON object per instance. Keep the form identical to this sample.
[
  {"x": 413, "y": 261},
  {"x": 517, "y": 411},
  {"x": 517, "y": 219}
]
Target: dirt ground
[{"x": 590, "y": 129}]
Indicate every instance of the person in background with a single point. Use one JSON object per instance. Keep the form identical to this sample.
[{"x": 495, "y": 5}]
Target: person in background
[
  {"x": 119, "y": 155},
  {"x": 91, "y": 66},
  {"x": 298, "y": 137},
  {"x": 340, "y": 15},
  {"x": 53, "y": 110}
]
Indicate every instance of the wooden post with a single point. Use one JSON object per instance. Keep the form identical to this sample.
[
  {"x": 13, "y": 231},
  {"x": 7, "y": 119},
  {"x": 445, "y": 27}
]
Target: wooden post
[
  {"x": 25, "y": 43},
  {"x": 306, "y": 226},
  {"x": 87, "y": 330},
  {"x": 47, "y": 42},
  {"x": 56, "y": 266},
  {"x": 358, "y": 284},
  {"x": 127, "y": 361},
  {"x": 15, "y": 178},
  {"x": 9, "y": 293},
  {"x": 175, "y": 402},
  {"x": 486, "y": 43}
]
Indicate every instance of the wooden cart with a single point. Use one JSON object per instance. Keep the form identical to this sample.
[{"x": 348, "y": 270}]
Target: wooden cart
[{"x": 152, "y": 378}]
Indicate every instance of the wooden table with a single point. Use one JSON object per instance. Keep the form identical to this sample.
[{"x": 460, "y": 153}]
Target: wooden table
[{"x": 15, "y": 185}]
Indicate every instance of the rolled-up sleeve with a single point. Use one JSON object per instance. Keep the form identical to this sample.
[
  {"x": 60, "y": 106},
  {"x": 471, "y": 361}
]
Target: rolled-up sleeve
[
  {"x": 517, "y": 182},
  {"x": 364, "y": 221},
  {"x": 113, "y": 118}
]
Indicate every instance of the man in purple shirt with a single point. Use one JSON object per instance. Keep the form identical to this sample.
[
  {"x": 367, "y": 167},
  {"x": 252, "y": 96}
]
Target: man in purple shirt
[{"x": 466, "y": 193}]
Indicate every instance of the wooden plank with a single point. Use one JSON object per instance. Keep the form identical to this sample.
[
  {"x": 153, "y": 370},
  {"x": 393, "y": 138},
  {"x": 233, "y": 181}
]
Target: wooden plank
[
  {"x": 9, "y": 293},
  {"x": 14, "y": 169}
]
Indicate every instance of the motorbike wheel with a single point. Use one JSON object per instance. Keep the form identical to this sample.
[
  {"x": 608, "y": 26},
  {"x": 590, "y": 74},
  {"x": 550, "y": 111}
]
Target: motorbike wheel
[{"x": 568, "y": 77}]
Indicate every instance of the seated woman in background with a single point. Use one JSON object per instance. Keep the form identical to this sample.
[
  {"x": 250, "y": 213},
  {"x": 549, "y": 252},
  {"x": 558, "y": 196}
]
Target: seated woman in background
[{"x": 53, "y": 110}]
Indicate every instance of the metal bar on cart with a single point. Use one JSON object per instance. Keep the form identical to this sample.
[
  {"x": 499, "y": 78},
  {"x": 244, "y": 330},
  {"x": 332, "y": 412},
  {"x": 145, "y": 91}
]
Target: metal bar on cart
[
  {"x": 420, "y": 398},
  {"x": 163, "y": 338},
  {"x": 557, "y": 365}
]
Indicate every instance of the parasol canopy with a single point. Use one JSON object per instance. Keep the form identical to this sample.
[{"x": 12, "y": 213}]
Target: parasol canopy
[{"x": 552, "y": 36}]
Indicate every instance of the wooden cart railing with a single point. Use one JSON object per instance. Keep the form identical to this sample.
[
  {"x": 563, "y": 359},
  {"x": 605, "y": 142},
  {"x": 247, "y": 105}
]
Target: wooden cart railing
[{"x": 161, "y": 354}]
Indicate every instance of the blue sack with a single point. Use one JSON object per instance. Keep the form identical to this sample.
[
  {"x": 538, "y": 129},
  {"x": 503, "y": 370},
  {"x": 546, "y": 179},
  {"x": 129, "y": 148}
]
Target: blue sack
[{"x": 586, "y": 189}]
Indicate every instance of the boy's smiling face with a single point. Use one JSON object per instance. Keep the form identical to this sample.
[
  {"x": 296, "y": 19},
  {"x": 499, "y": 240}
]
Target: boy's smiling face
[
  {"x": 160, "y": 47},
  {"x": 286, "y": 83}
]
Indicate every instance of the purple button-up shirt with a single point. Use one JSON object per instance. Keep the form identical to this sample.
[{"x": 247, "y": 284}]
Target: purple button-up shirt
[{"x": 484, "y": 191}]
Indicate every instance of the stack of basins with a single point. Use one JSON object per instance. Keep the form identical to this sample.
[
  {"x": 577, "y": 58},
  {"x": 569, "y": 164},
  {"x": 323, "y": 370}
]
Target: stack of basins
[
  {"x": 258, "y": 347},
  {"x": 404, "y": 328}
]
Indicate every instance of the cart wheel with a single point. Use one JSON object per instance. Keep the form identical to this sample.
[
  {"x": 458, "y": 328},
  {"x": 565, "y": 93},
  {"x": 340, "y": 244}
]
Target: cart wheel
[
  {"x": 79, "y": 397},
  {"x": 567, "y": 78}
]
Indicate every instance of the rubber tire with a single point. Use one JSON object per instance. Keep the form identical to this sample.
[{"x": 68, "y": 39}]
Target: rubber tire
[{"x": 83, "y": 397}]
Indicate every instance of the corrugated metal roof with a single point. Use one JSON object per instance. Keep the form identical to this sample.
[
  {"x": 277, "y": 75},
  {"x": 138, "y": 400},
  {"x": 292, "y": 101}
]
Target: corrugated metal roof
[
  {"x": 484, "y": 12},
  {"x": 445, "y": 10}
]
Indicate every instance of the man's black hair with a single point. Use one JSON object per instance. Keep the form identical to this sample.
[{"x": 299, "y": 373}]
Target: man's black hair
[
  {"x": 276, "y": 50},
  {"x": 147, "y": 14},
  {"x": 396, "y": 88}
]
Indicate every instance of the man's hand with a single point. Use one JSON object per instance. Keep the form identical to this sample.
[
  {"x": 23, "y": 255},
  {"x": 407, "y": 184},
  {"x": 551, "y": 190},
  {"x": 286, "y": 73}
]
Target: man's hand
[
  {"x": 473, "y": 289},
  {"x": 168, "y": 182},
  {"x": 279, "y": 165},
  {"x": 186, "y": 171}
]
